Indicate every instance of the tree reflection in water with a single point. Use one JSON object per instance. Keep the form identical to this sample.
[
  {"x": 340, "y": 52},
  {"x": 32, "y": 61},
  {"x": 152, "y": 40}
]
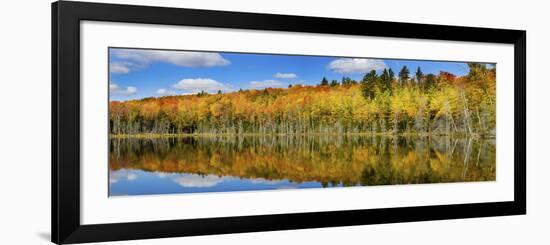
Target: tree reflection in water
[{"x": 329, "y": 160}]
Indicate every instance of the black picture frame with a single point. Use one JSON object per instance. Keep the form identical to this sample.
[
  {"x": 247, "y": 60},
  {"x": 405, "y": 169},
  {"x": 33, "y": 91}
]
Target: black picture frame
[{"x": 65, "y": 140}]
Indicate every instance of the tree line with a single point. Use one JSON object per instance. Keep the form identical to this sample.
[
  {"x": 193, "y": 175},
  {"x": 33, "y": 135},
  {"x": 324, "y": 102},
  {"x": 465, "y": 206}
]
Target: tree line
[{"x": 381, "y": 102}]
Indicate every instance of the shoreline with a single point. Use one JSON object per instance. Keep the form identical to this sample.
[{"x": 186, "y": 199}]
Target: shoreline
[{"x": 381, "y": 134}]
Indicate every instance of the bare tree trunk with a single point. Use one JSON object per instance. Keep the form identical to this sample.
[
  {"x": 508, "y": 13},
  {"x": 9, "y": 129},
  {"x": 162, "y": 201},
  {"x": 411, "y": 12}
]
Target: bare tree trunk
[
  {"x": 467, "y": 151},
  {"x": 395, "y": 123},
  {"x": 479, "y": 153},
  {"x": 466, "y": 113}
]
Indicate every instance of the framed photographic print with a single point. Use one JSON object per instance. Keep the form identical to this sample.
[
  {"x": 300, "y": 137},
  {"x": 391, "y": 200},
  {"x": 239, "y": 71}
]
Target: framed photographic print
[{"x": 176, "y": 122}]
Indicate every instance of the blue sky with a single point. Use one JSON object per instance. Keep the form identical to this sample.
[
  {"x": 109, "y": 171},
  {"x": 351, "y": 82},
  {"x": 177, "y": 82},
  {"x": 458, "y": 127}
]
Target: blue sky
[{"x": 140, "y": 73}]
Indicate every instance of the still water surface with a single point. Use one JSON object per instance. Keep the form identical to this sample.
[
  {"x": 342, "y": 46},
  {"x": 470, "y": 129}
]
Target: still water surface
[{"x": 139, "y": 166}]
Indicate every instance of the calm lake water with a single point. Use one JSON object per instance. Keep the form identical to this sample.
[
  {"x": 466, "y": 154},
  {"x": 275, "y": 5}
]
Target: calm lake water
[{"x": 240, "y": 163}]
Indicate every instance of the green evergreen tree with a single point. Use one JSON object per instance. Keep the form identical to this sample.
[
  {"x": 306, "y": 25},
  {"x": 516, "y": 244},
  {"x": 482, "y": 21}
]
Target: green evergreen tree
[
  {"x": 419, "y": 75},
  {"x": 346, "y": 81},
  {"x": 368, "y": 84},
  {"x": 202, "y": 93},
  {"x": 430, "y": 81},
  {"x": 385, "y": 80},
  {"x": 324, "y": 82},
  {"x": 403, "y": 75},
  {"x": 343, "y": 82}
]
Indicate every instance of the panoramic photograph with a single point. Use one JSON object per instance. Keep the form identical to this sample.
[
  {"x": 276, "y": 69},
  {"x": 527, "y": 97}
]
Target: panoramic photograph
[{"x": 200, "y": 121}]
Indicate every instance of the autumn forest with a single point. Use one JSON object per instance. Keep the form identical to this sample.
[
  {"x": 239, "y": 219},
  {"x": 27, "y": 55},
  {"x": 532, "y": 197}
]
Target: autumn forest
[{"x": 382, "y": 102}]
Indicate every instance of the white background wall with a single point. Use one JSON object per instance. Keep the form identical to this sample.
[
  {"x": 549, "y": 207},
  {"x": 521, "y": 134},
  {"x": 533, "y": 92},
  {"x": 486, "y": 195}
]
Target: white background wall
[{"x": 25, "y": 121}]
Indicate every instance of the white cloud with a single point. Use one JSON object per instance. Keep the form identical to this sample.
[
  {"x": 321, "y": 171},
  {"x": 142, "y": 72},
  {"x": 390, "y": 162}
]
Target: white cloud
[
  {"x": 285, "y": 75},
  {"x": 161, "y": 175},
  {"x": 116, "y": 176},
  {"x": 265, "y": 181},
  {"x": 195, "y": 85},
  {"x": 120, "y": 67},
  {"x": 112, "y": 86},
  {"x": 114, "y": 89},
  {"x": 131, "y": 177},
  {"x": 137, "y": 59},
  {"x": 266, "y": 84},
  {"x": 198, "y": 181},
  {"x": 349, "y": 65},
  {"x": 130, "y": 90},
  {"x": 163, "y": 91}
]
